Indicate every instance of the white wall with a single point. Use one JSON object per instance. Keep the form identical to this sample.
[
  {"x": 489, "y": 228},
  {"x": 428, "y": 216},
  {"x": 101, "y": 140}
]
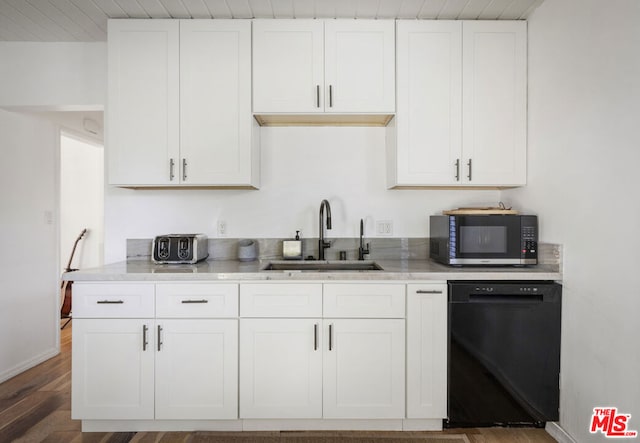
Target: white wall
[
  {"x": 584, "y": 154},
  {"x": 300, "y": 167},
  {"x": 54, "y": 75},
  {"x": 36, "y": 77},
  {"x": 81, "y": 202},
  {"x": 28, "y": 264}
]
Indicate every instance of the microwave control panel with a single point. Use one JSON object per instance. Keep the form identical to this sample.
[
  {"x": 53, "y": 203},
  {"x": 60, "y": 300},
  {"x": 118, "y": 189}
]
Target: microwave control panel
[{"x": 529, "y": 235}]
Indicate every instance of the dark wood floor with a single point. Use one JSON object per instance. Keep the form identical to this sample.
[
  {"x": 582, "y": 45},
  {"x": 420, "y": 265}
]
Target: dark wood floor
[{"x": 35, "y": 406}]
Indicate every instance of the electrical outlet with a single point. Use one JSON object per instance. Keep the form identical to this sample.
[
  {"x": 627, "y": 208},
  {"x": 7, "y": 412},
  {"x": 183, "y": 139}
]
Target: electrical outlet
[
  {"x": 222, "y": 228},
  {"x": 384, "y": 227}
]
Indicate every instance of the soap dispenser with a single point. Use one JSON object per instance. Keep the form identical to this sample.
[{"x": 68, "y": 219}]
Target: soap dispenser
[{"x": 292, "y": 249}]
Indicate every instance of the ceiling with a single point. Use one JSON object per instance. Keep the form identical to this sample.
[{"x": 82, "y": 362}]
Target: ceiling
[{"x": 86, "y": 20}]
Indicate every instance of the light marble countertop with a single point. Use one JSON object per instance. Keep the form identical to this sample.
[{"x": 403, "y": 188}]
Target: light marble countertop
[{"x": 233, "y": 270}]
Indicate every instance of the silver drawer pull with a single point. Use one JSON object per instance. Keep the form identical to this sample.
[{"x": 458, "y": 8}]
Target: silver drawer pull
[
  {"x": 315, "y": 337},
  {"x": 145, "y": 342},
  {"x": 194, "y": 301},
  {"x": 331, "y": 336},
  {"x": 110, "y": 302},
  {"x": 428, "y": 291}
]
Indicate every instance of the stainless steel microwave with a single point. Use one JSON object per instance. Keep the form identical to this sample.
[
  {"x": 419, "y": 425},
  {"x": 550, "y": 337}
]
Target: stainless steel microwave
[{"x": 489, "y": 240}]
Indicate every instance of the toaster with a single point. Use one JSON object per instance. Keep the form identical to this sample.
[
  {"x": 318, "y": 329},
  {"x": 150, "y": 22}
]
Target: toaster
[{"x": 180, "y": 248}]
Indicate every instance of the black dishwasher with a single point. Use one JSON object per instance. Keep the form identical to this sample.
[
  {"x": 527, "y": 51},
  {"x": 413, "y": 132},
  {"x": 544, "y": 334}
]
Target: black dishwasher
[{"x": 504, "y": 353}]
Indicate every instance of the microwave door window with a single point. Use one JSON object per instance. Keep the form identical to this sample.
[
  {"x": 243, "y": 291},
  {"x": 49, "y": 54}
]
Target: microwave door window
[{"x": 483, "y": 240}]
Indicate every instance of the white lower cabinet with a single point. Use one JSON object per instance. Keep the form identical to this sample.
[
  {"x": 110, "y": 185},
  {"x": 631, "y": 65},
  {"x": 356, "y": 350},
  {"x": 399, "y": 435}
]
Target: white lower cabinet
[
  {"x": 280, "y": 368},
  {"x": 154, "y": 368},
  {"x": 196, "y": 369},
  {"x": 112, "y": 369},
  {"x": 283, "y": 351},
  {"x": 427, "y": 350},
  {"x": 287, "y": 369},
  {"x": 322, "y": 368},
  {"x": 363, "y": 364}
]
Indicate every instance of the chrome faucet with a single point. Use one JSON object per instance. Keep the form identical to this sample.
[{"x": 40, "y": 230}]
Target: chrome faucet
[
  {"x": 361, "y": 250},
  {"x": 322, "y": 244}
]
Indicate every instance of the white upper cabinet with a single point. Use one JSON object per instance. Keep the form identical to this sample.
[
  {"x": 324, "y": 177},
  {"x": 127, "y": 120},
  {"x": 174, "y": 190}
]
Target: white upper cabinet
[
  {"x": 143, "y": 101},
  {"x": 316, "y": 66},
  {"x": 179, "y": 105},
  {"x": 217, "y": 143},
  {"x": 461, "y": 95},
  {"x": 494, "y": 86},
  {"x": 429, "y": 94},
  {"x": 359, "y": 66},
  {"x": 288, "y": 66}
]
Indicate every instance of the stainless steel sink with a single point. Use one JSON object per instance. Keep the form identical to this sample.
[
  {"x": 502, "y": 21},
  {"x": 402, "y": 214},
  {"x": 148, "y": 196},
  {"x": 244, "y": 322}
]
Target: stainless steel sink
[{"x": 324, "y": 265}]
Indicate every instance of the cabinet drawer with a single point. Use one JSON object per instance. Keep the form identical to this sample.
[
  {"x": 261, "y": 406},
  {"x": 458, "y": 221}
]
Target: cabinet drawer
[
  {"x": 196, "y": 300},
  {"x": 281, "y": 300},
  {"x": 364, "y": 300},
  {"x": 113, "y": 300}
]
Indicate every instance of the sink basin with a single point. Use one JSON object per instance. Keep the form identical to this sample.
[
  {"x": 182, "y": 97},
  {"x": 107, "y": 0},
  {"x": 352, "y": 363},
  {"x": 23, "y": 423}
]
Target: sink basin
[{"x": 315, "y": 265}]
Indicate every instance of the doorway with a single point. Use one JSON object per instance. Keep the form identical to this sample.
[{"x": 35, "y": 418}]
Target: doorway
[{"x": 81, "y": 200}]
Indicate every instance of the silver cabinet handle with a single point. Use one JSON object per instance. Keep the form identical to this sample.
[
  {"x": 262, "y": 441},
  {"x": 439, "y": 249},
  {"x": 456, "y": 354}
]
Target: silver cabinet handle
[
  {"x": 184, "y": 169},
  {"x": 110, "y": 302},
  {"x": 145, "y": 328},
  {"x": 469, "y": 164},
  {"x": 331, "y": 337},
  {"x": 458, "y": 170},
  {"x": 428, "y": 291},
  {"x": 317, "y": 96},
  {"x": 194, "y": 301},
  {"x": 159, "y": 337},
  {"x": 315, "y": 337},
  {"x": 172, "y": 165},
  {"x": 330, "y": 96}
]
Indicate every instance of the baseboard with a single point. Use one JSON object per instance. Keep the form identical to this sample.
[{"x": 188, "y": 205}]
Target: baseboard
[
  {"x": 18, "y": 369},
  {"x": 323, "y": 425},
  {"x": 259, "y": 425},
  {"x": 559, "y": 434}
]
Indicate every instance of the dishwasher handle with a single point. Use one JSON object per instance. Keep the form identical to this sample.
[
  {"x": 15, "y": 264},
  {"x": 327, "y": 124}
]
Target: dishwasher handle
[{"x": 506, "y": 299}]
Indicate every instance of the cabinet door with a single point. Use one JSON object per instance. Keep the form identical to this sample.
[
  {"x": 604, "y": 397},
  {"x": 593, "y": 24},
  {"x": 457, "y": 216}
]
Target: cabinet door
[
  {"x": 196, "y": 369},
  {"x": 288, "y": 63},
  {"x": 215, "y": 102},
  {"x": 280, "y": 368},
  {"x": 363, "y": 373},
  {"x": 112, "y": 369},
  {"x": 360, "y": 66},
  {"x": 363, "y": 300},
  {"x": 429, "y": 118},
  {"x": 427, "y": 350},
  {"x": 494, "y": 102},
  {"x": 143, "y": 102}
]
